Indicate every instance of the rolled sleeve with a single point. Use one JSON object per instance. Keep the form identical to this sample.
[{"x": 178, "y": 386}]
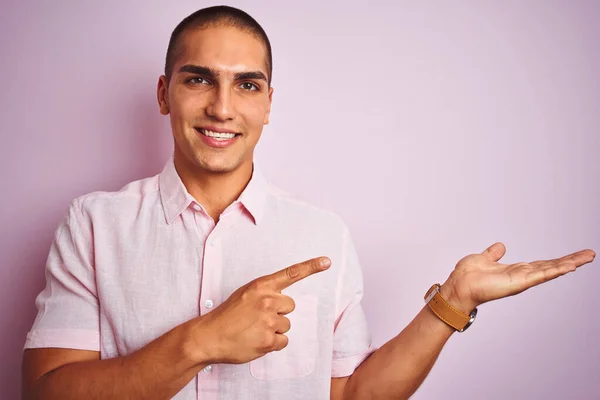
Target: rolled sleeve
[
  {"x": 68, "y": 311},
  {"x": 352, "y": 339}
]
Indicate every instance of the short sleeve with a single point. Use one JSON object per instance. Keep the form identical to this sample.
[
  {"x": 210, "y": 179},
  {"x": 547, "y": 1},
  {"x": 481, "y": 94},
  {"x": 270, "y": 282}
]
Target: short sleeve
[
  {"x": 351, "y": 339},
  {"x": 68, "y": 312}
]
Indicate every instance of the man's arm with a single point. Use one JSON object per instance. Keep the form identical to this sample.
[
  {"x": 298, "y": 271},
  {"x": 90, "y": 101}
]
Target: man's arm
[
  {"x": 398, "y": 368},
  {"x": 157, "y": 371},
  {"x": 248, "y": 325}
]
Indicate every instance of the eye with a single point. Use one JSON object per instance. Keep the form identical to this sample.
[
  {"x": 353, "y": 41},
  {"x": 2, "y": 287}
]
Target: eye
[
  {"x": 197, "y": 80},
  {"x": 249, "y": 86}
]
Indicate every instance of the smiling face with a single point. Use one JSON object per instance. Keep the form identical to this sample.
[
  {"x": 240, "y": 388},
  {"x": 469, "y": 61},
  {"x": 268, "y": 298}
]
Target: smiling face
[{"x": 218, "y": 98}]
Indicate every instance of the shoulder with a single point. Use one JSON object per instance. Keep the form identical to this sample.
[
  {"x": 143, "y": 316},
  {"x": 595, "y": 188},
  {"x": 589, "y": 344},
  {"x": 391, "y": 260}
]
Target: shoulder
[
  {"x": 296, "y": 209},
  {"x": 130, "y": 197}
]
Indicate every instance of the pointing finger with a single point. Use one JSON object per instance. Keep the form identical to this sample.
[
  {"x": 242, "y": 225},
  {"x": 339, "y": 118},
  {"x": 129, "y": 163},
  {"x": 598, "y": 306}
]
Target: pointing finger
[{"x": 292, "y": 274}]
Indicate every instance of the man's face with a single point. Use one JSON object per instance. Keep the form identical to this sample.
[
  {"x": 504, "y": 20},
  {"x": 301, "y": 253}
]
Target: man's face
[{"x": 218, "y": 98}]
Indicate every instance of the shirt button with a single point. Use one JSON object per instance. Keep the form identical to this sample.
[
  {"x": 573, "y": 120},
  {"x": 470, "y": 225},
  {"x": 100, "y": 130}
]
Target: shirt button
[
  {"x": 208, "y": 304},
  {"x": 197, "y": 207},
  {"x": 208, "y": 368},
  {"x": 213, "y": 242}
]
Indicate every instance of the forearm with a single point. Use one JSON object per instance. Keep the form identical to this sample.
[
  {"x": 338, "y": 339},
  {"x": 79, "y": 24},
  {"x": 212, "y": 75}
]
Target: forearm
[
  {"x": 157, "y": 371},
  {"x": 398, "y": 368}
]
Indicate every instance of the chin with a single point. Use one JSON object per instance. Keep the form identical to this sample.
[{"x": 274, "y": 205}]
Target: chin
[{"x": 218, "y": 166}]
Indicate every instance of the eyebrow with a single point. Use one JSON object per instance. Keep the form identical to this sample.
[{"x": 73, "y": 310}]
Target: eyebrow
[{"x": 212, "y": 73}]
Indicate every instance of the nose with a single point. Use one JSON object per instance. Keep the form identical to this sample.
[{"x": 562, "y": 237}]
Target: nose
[{"x": 220, "y": 105}]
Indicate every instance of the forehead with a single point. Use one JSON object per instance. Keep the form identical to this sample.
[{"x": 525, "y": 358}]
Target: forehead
[{"x": 223, "y": 48}]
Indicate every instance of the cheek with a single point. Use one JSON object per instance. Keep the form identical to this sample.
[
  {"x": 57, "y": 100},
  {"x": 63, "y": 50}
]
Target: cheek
[
  {"x": 256, "y": 115},
  {"x": 190, "y": 108},
  {"x": 186, "y": 107}
]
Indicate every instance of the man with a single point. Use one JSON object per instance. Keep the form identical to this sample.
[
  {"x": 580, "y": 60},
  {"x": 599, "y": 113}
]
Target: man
[{"x": 177, "y": 286}]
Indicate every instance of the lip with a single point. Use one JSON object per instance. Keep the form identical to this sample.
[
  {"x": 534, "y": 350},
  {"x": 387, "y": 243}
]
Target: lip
[{"x": 212, "y": 142}]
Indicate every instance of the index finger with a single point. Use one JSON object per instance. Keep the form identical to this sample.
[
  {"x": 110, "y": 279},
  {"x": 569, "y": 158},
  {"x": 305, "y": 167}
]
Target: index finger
[{"x": 288, "y": 276}]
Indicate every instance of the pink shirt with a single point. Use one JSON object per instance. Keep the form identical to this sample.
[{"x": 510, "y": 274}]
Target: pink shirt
[{"x": 126, "y": 267}]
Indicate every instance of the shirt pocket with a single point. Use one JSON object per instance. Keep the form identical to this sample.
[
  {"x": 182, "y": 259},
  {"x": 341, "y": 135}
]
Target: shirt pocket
[{"x": 299, "y": 357}]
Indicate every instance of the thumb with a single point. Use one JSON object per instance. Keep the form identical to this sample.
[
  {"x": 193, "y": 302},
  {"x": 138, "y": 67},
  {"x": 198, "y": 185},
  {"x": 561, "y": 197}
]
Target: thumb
[{"x": 495, "y": 252}]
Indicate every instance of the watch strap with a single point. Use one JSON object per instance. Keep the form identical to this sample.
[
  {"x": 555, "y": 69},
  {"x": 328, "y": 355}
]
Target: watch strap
[{"x": 446, "y": 312}]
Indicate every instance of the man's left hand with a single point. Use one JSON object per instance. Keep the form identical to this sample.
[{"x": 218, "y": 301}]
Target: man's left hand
[{"x": 479, "y": 278}]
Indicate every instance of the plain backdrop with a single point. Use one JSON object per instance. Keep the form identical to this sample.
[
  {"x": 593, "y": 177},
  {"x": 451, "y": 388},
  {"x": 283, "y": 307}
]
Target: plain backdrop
[{"x": 433, "y": 128}]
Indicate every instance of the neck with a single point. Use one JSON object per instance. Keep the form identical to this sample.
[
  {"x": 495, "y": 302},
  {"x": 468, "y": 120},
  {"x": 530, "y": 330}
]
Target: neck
[{"x": 215, "y": 191}]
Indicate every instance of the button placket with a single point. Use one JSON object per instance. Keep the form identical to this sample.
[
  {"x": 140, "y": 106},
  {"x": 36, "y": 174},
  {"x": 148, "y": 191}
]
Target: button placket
[
  {"x": 210, "y": 296},
  {"x": 212, "y": 266}
]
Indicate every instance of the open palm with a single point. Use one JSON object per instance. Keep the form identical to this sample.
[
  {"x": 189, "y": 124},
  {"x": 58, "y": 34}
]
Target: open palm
[{"x": 479, "y": 278}]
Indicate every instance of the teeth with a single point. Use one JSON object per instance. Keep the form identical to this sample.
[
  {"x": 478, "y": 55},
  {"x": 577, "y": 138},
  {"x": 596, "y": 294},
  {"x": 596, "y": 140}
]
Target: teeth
[{"x": 218, "y": 135}]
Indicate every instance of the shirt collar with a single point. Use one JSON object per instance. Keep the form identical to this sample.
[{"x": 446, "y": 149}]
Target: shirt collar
[
  {"x": 254, "y": 196},
  {"x": 175, "y": 198}
]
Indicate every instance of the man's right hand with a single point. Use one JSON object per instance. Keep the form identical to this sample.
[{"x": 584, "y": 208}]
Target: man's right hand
[{"x": 252, "y": 322}]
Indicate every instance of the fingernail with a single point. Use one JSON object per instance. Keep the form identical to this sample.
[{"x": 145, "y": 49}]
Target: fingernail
[{"x": 325, "y": 262}]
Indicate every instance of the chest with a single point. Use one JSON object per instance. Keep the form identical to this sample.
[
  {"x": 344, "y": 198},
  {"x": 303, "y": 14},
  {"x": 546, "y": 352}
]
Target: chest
[{"x": 153, "y": 280}]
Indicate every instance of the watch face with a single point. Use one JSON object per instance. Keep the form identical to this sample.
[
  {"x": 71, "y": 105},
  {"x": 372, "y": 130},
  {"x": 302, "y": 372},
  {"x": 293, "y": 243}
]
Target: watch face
[
  {"x": 472, "y": 315},
  {"x": 432, "y": 292}
]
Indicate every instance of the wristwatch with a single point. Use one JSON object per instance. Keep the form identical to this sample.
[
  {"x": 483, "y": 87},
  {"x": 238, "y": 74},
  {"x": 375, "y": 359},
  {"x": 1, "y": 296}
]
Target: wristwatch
[{"x": 446, "y": 312}]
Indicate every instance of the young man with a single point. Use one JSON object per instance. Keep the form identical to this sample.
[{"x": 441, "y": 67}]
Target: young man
[{"x": 177, "y": 286}]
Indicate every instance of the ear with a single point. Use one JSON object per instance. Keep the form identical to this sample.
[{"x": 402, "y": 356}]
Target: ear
[
  {"x": 162, "y": 94},
  {"x": 266, "y": 120}
]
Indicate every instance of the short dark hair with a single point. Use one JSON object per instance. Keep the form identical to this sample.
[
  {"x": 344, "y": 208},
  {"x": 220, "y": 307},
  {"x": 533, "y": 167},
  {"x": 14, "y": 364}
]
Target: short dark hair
[{"x": 217, "y": 15}]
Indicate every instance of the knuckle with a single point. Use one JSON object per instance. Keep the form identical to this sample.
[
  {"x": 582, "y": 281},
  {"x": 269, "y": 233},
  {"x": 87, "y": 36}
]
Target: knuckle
[
  {"x": 265, "y": 303},
  {"x": 292, "y": 272},
  {"x": 270, "y": 323},
  {"x": 268, "y": 341},
  {"x": 314, "y": 265},
  {"x": 249, "y": 292},
  {"x": 257, "y": 284},
  {"x": 245, "y": 295}
]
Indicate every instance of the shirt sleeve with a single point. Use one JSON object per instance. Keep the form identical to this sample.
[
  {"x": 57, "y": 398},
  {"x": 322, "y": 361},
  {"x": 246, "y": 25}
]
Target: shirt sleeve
[
  {"x": 68, "y": 311},
  {"x": 351, "y": 338}
]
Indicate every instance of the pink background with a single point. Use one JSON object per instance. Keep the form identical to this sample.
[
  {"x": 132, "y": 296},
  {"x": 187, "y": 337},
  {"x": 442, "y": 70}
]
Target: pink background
[{"x": 433, "y": 129}]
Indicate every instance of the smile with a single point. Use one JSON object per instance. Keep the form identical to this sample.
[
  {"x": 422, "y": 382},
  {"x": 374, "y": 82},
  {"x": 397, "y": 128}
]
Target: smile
[
  {"x": 217, "y": 138},
  {"x": 217, "y": 135}
]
